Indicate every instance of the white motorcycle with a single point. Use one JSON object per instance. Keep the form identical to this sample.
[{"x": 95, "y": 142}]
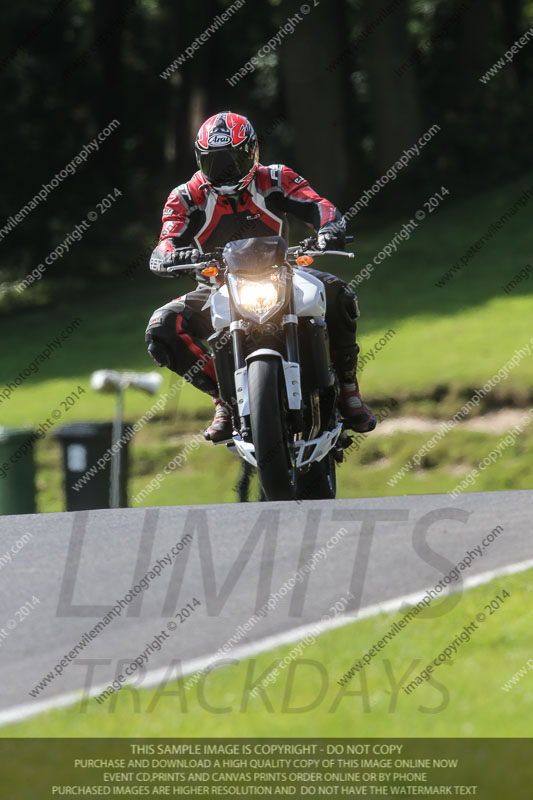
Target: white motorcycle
[{"x": 272, "y": 361}]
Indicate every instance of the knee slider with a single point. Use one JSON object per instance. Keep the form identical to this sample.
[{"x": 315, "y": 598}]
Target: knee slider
[
  {"x": 159, "y": 352},
  {"x": 348, "y": 308}
]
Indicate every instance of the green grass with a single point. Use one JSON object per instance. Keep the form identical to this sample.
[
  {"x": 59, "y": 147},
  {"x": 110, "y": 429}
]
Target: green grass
[
  {"x": 459, "y": 335},
  {"x": 459, "y": 351},
  {"x": 210, "y": 474},
  {"x": 464, "y": 697},
  {"x": 447, "y": 342},
  {"x": 456, "y": 337},
  {"x": 364, "y": 473}
]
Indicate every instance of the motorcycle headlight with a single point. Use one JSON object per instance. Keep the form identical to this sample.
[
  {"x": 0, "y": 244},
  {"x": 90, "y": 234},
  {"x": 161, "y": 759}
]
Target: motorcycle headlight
[{"x": 258, "y": 300}]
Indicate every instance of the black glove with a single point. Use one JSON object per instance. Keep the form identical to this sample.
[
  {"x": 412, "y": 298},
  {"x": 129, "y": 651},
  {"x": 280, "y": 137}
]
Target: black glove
[
  {"x": 331, "y": 237},
  {"x": 182, "y": 255}
]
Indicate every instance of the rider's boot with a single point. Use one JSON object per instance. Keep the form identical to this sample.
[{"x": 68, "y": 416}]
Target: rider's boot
[
  {"x": 222, "y": 426},
  {"x": 353, "y": 410}
]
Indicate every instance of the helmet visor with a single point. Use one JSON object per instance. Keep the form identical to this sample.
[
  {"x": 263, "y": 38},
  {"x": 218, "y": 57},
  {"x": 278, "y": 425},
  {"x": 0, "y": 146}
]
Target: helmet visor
[{"x": 225, "y": 167}]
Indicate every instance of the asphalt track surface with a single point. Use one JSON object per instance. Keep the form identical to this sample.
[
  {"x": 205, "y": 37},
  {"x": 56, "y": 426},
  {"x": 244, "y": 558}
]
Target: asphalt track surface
[{"x": 232, "y": 559}]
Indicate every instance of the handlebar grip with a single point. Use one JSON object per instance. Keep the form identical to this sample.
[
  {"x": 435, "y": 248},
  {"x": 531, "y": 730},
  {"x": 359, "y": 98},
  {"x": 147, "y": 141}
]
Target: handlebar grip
[
  {"x": 179, "y": 267},
  {"x": 330, "y": 253}
]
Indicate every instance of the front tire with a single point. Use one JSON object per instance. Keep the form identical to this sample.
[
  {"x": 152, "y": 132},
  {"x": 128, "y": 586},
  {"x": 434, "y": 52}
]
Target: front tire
[
  {"x": 269, "y": 433},
  {"x": 320, "y": 482}
]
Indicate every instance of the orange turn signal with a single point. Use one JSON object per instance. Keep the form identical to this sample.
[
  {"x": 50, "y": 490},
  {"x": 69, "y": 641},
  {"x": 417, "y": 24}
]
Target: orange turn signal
[
  {"x": 304, "y": 261},
  {"x": 210, "y": 272}
]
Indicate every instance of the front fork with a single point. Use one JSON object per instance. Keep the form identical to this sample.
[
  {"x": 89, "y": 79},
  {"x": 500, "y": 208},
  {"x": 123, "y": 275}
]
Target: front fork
[
  {"x": 231, "y": 370},
  {"x": 290, "y": 324},
  {"x": 237, "y": 329}
]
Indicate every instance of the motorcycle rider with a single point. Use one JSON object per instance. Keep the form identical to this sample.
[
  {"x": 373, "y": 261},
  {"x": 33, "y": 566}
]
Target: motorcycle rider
[{"x": 231, "y": 197}]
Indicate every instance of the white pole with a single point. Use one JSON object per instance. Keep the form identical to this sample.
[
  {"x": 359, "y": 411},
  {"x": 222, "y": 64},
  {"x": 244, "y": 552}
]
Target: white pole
[{"x": 114, "y": 489}]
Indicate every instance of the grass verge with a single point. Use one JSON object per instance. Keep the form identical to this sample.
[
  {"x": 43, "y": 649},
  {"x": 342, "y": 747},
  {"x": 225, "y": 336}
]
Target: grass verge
[
  {"x": 447, "y": 342},
  {"x": 462, "y": 698}
]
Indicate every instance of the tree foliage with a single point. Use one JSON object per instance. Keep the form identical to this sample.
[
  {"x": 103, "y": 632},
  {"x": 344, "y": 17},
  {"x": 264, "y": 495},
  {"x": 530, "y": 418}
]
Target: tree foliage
[{"x": 334, "y": 99}]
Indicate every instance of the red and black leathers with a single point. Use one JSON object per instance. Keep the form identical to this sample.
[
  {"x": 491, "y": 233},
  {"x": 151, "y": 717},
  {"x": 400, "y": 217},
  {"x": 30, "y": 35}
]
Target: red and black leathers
[{"x": 196, "y": 215}]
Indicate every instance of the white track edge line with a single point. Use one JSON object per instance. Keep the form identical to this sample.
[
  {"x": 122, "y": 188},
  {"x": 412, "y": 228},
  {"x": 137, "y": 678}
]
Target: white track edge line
[{"x": 160, "y": 675}]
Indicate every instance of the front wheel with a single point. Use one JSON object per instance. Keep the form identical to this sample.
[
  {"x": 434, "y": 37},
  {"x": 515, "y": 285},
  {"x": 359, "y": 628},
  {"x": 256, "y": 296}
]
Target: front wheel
[
  {"x": 320, "y": 482},
  {"x": 269, "y": 431}
]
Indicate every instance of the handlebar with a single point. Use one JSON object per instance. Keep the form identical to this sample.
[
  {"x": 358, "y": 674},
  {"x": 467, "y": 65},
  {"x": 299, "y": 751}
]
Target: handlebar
[
  {"x": 197, "y": 265},
  {"x": 329, "y": 253},
  {"x": 211, "y": 259},
  {"x": 207, "y": 258}
]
